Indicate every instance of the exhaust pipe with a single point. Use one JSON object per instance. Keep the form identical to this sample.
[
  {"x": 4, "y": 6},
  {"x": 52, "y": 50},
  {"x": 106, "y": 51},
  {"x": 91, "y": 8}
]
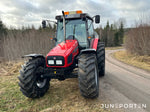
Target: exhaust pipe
[{"x": 64, "y": 25}]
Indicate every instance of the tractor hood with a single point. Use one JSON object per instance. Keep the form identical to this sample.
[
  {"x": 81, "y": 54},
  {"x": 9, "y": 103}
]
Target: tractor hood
[{"x": 63, "y": 48}]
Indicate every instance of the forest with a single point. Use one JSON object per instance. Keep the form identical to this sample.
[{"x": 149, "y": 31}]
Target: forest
[{"x": 14, "y": 43}]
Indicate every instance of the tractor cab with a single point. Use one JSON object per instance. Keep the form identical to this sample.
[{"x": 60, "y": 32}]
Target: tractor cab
[{"x": 78, "y": 26}]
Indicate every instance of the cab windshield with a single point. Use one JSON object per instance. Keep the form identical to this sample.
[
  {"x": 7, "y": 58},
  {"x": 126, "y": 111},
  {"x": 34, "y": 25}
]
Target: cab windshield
[{"x": 75, "y": 28}]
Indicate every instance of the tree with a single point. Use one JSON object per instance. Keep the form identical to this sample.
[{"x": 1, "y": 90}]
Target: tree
[
  {"x": 121, "y": 33},
  {"x": 111, "y": 27},
  {"x": 107, "y": 26},
  {"x": 106, "y": 34},
  {"x": 2, "y": 33},
  {"x": 112, "y": 34},
  {"x": 116, "y": 39},
  {"x": 40, "y": 28},
  {"x": 3, "y": 29}
]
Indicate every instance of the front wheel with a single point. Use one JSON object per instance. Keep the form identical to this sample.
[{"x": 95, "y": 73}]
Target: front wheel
[
  {"x": 88, "y": 75},
  {"x": 30, "y": 82}
]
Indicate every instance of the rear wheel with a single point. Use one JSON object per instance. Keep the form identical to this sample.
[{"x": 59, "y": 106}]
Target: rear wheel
[
  {"x": 101, "y": 58},
  {"x": 88, "y": 76},
  {"x": 30, "y": 82}
]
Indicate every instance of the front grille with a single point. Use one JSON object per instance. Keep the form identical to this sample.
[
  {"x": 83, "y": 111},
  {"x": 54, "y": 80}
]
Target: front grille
[
  {"x": 56, "y": 58},
  {"x": 69, "y": 58}
]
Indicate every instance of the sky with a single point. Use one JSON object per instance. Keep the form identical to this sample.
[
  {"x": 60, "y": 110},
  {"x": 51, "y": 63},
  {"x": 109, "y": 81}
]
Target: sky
[{"x": 18, "y": 13}]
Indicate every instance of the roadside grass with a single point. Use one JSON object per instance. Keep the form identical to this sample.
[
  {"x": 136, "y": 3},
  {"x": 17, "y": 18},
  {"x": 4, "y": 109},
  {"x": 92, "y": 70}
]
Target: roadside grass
[
  {"x": 142, "y": 62},
  {"x": 113, "y": 48},
  {"x": 63, "y": 96}
]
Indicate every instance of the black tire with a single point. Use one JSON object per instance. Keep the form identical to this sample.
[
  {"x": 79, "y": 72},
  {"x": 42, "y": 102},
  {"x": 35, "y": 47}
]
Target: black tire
[
  {"x": 88, "y": 75},
  {"x": 101, "y": 58},
  {"x": 30, "y": 82}
]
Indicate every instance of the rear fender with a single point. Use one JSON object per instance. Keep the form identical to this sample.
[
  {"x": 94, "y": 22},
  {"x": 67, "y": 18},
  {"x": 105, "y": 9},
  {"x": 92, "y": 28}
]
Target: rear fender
[{"x": 33, "y": 56}]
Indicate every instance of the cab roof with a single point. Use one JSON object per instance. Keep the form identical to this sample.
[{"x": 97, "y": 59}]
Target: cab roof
[{"x": 74, "y": 16}]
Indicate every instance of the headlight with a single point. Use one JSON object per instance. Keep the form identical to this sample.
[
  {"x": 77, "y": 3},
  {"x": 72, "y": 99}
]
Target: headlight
[
  {"x": 58, "y": 62},
  {"x": 55, "y": 61},
  {"x": 50, "y": 62}
]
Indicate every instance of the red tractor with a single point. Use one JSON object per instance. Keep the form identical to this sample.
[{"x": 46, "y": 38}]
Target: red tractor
[{"x": 78, "y": 47}]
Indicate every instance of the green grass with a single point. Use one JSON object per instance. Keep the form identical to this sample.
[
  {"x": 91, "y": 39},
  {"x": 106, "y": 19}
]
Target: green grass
[
  {"x": 13, "y": 100},
  {"x": 63, "y": 96}
]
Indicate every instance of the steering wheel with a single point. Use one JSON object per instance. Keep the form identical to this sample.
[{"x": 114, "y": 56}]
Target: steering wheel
[{"x": 70, "y": 37}]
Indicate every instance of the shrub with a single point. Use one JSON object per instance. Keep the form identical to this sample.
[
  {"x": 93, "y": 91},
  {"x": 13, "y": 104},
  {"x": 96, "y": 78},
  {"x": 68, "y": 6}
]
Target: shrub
[
  {"x": 18, "y": 43},
  {"x": 138, "y": 40}
]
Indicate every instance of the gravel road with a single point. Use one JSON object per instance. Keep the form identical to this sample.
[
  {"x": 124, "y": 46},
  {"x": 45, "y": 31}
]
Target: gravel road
[{"x": 125, "y": 87}]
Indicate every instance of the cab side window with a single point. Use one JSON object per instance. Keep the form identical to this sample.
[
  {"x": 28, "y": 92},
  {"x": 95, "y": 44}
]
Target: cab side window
[{"x": 90, "y": 28}]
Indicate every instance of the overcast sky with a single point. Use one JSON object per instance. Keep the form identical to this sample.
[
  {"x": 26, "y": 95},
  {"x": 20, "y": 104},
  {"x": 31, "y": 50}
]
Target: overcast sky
[{"x": 27, "y": 12}]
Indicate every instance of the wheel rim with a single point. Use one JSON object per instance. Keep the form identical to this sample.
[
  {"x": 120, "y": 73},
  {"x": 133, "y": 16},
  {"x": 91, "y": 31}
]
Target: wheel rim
[
  {"x": 96, "y": 75},
  {"x": 41, "y": 83}
]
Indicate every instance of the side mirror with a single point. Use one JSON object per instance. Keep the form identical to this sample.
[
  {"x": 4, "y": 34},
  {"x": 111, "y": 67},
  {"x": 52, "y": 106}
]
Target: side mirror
[
  {"x": 44, "y": 24},
  {"x": 97, "y": 19},
  {"x": 53, "y": 39}
]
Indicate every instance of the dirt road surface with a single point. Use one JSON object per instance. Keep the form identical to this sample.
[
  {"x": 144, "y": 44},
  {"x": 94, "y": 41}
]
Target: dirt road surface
[{"x": 126, "y": 87}]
